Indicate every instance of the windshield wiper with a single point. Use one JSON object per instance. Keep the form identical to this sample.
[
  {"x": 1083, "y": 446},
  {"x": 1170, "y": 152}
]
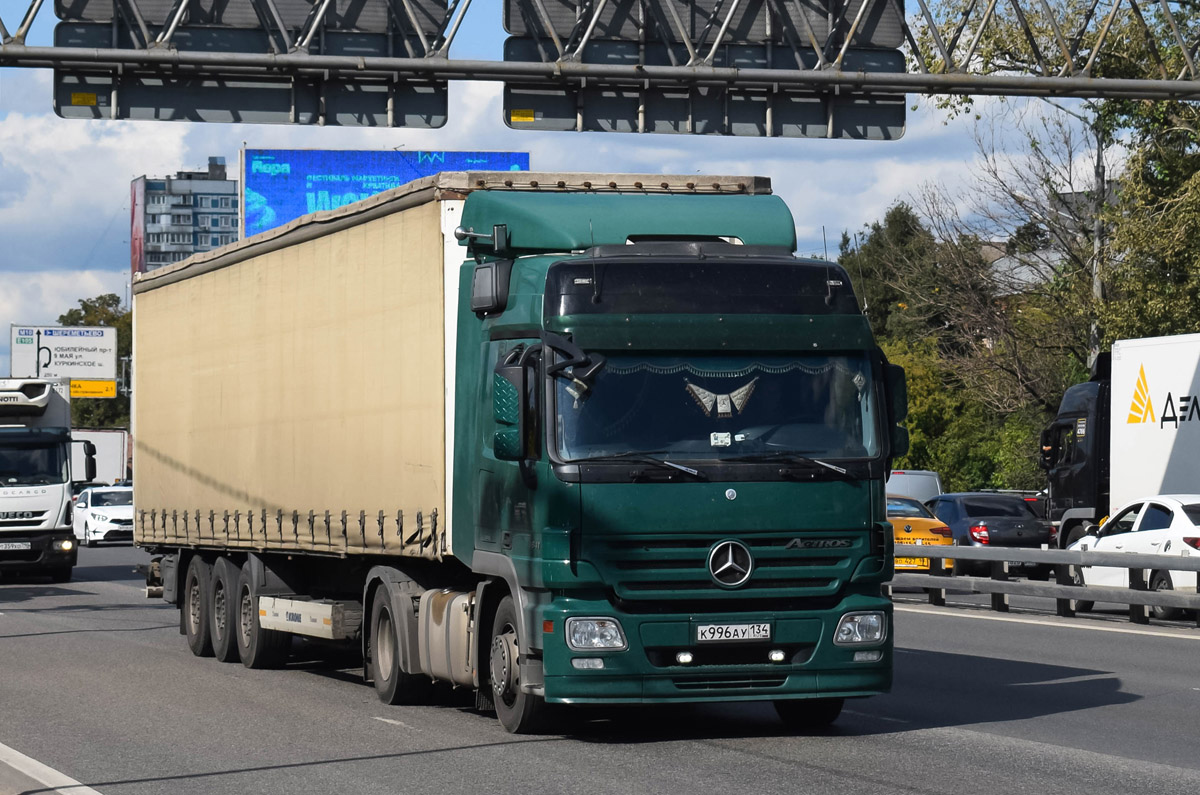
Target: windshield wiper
[
  {"x": 646, "y": 457},
  {"x": 813, "y": 464}
]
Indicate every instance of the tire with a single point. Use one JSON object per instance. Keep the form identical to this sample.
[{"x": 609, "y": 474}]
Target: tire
[
  {"x": 87, "y": 537},
  {"x": 223, "y": 610},
  {"x": 62, "y": 574},
  {"x": 809, "y": 714},
  {"x": 1161, "y": 581},
  {"x": 258, "y": 647},
  {"x": 1073, "y": 534},
  {"x": 519, "y": 712},
  {"x": 195, "y": 607},
  {"x": 1082, "y": 605},
  {"x": 393, "y": 684}
]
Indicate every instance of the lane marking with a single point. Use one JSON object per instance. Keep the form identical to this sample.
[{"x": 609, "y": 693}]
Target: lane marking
[
  {"x": 1045, "y": 622},
  {"x": 397, "y": 723},
  {"x": 42, "y": 774}
]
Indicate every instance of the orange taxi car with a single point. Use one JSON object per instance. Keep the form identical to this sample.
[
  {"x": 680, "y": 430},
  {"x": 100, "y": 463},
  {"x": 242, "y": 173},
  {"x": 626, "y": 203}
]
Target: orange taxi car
[{"x": 912, "y": 523}]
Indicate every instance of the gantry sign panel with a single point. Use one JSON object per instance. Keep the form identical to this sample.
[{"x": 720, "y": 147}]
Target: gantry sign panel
[
  {"x": 233, "y": 93},
  {"x": 633, "y": 36},
  {"x": 823, "y": 68}
]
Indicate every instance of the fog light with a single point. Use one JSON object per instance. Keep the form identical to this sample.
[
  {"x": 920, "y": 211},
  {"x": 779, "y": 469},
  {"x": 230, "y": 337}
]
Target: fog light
[
  {"x": 868, "y": 656},
  {"x": 856, "y": 629},
  {"x": 66, "y": 546},
  {"x": 684, "y": 658},
  {"x": 588, "y": 634},
  {"x": 775, "y": 655},
  {"x": 587, "y": 663}
]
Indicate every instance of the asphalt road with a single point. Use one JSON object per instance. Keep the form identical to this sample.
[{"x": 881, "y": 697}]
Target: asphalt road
[{"x": 96, "y": 683}]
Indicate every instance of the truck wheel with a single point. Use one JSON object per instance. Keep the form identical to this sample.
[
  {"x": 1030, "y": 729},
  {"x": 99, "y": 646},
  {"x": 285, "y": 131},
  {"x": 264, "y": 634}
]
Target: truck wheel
[
  {"x": 1161, "y": 581},
  {"x": 223, "y": 610},
  {"x": 393, "y": 684},
  {"x": 519, "y": 712},
  {"x": 1072, "y": 534},
  {"x": 258, "y": 647},
  {"x": 809, "y": 714},
  {"x": 61, "y": 574},
  {"x": 195, "y": 607}
]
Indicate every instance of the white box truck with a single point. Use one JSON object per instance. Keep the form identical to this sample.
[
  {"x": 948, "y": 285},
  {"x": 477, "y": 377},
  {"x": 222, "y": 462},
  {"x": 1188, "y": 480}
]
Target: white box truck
[
  {"x": 35, "y": 477},
  {"x": 112, "y": 454},
  {"x": 1132, "y": 431}
]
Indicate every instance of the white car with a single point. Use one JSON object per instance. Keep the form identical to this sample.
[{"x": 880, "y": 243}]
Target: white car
[
  {"x": 1167, "y": 524},
  {"x": 104, "y": 513}
]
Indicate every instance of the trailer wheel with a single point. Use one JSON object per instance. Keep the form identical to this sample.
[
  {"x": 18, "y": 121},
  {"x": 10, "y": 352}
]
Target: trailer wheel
[
  {"x": 393, "y": 685},
  {"x": 519, "y": 712},
  {"x": 258, "y": 647},
  {"x": 809, "y": 714},
  {"x": 223, "y": 610},
  {"x": 195, "y": 607}
]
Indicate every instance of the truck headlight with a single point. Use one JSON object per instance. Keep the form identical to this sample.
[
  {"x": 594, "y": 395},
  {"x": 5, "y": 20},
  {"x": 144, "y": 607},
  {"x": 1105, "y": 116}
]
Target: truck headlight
[
  {"x": 589, "y": 634},
  {"x": 66, "y": 545},
  {"x": 858, "y": 629}
]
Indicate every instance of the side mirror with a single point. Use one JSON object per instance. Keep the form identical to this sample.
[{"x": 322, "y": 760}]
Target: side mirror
[
  {"x": 897, "y": 394},
  {"x": 89, "y": 466},
  {"x": 1048, "y": 453},
  {"x": 509, "y": 388}
]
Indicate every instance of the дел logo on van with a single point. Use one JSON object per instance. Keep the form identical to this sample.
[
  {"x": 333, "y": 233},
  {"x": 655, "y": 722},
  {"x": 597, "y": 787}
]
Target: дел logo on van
[{"x": 1141, "y": 408}]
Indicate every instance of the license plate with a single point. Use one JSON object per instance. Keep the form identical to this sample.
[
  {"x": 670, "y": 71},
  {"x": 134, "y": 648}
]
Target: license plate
[
  {"x": 716, "y": 633},
  {"x": 14, "y": 545},
  {"x": 912, "y": 563}
]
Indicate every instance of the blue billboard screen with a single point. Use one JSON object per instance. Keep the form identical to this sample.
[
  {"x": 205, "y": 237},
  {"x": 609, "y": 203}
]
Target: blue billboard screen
[{"x": 280, "y": 185}]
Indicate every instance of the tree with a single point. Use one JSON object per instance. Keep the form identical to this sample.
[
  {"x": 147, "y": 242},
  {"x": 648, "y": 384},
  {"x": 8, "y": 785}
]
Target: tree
[{"x": 103, "y": 310}]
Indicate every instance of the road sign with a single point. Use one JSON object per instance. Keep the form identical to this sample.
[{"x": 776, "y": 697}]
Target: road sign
[
  {"x": 87, "y": 353},
  {"x": 93, "y": 389},
  {"x": 776, "y": 40}
]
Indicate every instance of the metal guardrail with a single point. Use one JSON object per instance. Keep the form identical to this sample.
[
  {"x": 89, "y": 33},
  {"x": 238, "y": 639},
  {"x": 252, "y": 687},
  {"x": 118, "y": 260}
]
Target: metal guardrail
[{"x": 1061, "y": 588}]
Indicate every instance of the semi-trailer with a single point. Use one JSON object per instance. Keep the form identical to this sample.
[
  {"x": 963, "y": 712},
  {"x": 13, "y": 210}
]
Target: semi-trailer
[{"x": 573, "y": 439}]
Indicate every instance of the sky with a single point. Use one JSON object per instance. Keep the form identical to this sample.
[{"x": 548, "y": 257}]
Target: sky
[{"x": 64, "y": 185}]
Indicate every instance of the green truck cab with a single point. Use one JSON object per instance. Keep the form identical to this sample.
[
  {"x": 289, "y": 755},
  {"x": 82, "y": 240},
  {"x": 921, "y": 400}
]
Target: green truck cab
[{"x": 674, "y": 451}]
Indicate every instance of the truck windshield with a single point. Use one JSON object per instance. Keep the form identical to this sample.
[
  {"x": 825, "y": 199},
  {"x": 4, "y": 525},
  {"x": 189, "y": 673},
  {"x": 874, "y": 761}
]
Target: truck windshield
[
  {"x": 33, "y": 465},
  {"x": 721, "y": 408}
]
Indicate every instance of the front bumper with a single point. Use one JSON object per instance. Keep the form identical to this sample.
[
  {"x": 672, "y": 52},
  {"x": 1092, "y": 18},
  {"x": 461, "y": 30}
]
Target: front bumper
[
  {"x": 33, "y": 551},
  {"x": 109, "y": 531},
  {"x": 648, "y": 671}
]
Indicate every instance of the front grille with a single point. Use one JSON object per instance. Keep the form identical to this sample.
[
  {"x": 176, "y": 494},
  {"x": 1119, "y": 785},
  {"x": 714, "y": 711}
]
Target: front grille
[
  {"x": 724, "y": 682},
  {"x": 36, "y": 519},
  {"x": 122, "y": 522},
  {"x": 674, "y": 569}
]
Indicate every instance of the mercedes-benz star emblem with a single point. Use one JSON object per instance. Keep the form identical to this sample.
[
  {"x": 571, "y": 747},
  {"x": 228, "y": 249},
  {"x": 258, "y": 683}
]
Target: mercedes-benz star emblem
[{"x": 730, "y": 564}]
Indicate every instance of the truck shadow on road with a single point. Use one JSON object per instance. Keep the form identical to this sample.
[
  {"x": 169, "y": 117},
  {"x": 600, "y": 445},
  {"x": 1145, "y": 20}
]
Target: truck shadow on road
[{"x": 997, "y": 691}]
